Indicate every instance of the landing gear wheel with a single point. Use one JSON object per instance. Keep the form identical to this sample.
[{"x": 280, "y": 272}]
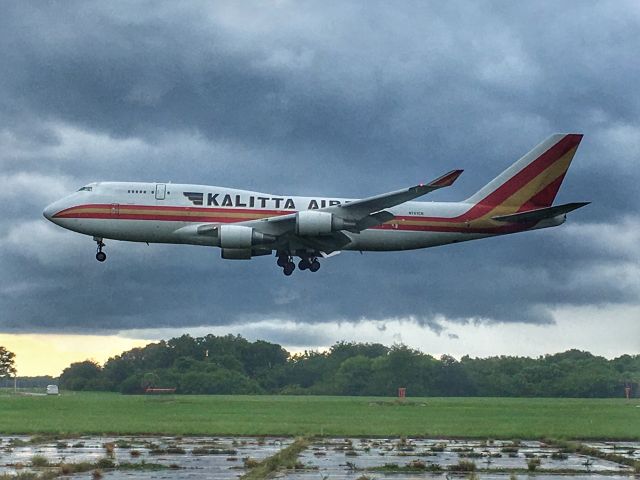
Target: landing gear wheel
[
  {"x": 289, "y": 268},
  {"x": 100, "y": 256},
  {"x": 303, "y": 264},
  {"x": 315, "y": 266},
  {"x": 282, "y": 261}
]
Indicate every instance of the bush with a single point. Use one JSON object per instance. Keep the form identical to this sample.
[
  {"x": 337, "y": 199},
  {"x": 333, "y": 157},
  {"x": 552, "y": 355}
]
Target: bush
[
  {"x": 463, "y": 466},
  {"x": 85, "y": 375},
  {"x": 559, "y": 456},
  {"x": 39, "y": 461},
  {"x": 219, "y": 381},
  {"x": 533, "y": 463},
  {"x": 105, "y": 463},
  {"x": 132, "y": 385},
  {"x": 509, "y": 449}
]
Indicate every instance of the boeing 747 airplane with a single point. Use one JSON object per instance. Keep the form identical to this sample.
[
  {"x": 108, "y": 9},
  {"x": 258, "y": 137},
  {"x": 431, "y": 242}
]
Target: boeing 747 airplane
[{"x": 246, "y": 224}]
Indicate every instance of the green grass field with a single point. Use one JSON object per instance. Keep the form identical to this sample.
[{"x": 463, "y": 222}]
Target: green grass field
[{"x": 102, "y": 413}]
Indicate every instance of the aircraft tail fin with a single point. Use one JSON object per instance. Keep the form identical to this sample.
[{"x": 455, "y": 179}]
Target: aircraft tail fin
[{"x": 534, "y": 180}]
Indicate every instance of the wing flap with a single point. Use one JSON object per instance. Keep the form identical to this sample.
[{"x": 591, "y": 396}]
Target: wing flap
[{"x": 374, "y": 220}]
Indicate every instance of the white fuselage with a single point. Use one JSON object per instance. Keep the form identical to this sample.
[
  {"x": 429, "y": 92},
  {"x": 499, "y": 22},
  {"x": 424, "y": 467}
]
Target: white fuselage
[{"x": 170, "y": 213}]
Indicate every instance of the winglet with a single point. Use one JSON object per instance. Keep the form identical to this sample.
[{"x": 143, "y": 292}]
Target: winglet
[{"x": 445, "y": 180}]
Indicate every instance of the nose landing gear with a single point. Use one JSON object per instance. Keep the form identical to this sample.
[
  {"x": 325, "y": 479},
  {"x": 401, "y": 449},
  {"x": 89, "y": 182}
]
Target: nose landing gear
[{"x": 100, "y": 255}]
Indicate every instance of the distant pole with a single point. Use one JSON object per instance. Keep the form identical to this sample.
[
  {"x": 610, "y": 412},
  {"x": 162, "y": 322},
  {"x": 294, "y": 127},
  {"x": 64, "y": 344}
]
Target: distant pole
[{"x": 402, "y": 393}]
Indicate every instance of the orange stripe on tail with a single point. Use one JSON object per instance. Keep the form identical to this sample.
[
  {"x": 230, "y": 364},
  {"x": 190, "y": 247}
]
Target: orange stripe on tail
[{"x": 534, "y": 180}]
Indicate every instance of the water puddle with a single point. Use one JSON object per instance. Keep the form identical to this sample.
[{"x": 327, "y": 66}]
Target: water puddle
[
  {"x": 626, "y": 449},
  {"x": 338, "y": 458},
  {"x": 351, "y": 457},
  {"x": 189, "y": 457}
]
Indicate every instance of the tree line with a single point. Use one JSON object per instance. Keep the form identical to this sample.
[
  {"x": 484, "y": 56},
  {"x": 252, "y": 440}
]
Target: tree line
[
  {"x": 7, "y": 363},
  {"x": 233, "y": 365}
]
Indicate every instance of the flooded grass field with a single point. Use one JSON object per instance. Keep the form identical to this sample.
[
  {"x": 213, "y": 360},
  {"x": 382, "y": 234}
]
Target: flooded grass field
[
  {"x": 356, "y": 438},
  {"x": 156, "y": 457}
]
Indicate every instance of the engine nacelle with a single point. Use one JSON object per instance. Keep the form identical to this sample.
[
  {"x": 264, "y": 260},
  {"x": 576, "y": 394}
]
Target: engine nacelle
[
  {"x": 240, "y": 237},
  {"x": 311, "y": 223},
  {"x": 236, "y": 253},
  {"x": 242, "y": 253}
]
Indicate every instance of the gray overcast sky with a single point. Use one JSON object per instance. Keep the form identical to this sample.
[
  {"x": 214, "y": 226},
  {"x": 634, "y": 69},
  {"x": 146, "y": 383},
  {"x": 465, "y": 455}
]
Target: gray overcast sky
[{"x": 338, "y": 98}]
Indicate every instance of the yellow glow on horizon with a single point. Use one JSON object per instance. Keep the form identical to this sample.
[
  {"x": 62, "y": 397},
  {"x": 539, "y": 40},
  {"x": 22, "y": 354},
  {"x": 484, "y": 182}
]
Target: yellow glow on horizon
[{"x": 41, "y": 354}]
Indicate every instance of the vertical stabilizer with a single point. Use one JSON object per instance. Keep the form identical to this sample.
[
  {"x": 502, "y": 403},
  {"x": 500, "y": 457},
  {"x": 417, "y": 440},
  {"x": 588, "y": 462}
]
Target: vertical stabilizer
[{"x": 534, "y": 180}]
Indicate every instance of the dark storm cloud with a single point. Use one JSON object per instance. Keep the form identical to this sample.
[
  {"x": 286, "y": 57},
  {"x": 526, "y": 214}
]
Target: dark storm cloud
[{"x": 342, "y": 99}]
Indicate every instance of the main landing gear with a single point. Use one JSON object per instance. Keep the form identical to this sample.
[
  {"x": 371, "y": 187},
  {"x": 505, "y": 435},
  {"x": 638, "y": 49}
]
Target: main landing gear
[
  {"x": 285, "y": 261},
  {"x": 309, "y": 263},
  {"x": 100, "y": 255}
]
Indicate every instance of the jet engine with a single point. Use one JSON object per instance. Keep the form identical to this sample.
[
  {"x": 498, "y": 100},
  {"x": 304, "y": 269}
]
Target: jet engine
[
  {"x": 311, "y": 223},
  {"x": 240, "y": 237},
  {"x": 236, "y": 253},
  {"x": 242, "y": 253}
]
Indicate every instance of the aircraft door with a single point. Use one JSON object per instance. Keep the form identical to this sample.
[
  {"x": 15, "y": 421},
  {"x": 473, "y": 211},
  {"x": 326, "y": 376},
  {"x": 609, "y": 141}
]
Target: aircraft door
[
  {"x": 115, "y": 209},
  {"x": 161, "y": 190}
]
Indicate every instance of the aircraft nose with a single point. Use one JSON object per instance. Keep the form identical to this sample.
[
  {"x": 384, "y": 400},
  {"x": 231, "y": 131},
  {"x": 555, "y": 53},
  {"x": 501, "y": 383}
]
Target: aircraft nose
[{"x": 49, "y": 211}]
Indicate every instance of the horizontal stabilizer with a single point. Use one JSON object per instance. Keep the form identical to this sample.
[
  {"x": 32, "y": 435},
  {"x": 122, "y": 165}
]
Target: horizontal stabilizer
[{"x": 540, "y": 213}]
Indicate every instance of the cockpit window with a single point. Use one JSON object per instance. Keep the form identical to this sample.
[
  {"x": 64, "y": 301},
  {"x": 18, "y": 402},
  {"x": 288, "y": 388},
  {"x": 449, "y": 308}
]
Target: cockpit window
[{"x": 85, "y": 189}]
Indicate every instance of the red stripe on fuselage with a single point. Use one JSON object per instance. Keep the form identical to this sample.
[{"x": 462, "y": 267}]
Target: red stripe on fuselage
[
  {"x": 209, "y": 215},
  {"x": 445, "y": 229},
  {"x": 124, "y": 206}
]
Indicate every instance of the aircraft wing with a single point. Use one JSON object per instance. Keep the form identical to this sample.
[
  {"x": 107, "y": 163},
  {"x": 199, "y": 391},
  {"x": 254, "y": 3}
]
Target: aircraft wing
[
  {"x": 360, "y": 209},
  {"x": 360, "y": 215},
  {"x": 364, "y": 213}
]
